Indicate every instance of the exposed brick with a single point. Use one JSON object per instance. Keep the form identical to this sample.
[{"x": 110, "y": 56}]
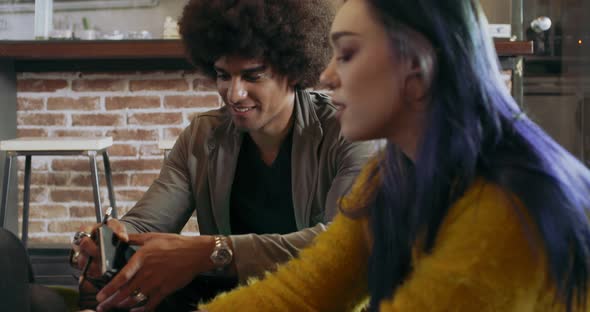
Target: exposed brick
[
  {"x": 57, "y": 178},
  {"x": 76, "y": 195},
  {"x": 21, "y": 133},
  {"x": 46, "y": 211},
  {"x": 132, "y": 102},
  {"x": 74, "y": 165},
  {"x": 150, "y": 150},
  {"x": 158, "y": 85},
  {"x": 29, "y": 104},
  {"x": 172, "y": 132},
  {"x": 187, "y": 101},
  {"x": 122, "y": 150},
  {"x": 133, "y": 135},
  {"x": 123, "y": 208},
  {"x": 120, "y": 179},
  {"x": 129, "y": 195},
  {"x": 67, "y": 226},
  {"x": 40, "y": 85},
  {"x": 96, "y": 74},
  {"x": 66, "y": 103},
  {"x": 204, "y": 84},
  {"x": 99, "y": 85},
  {"x": 50, "y": 239},
  {"x": 143, "y": 179},
  {"x": 76, "y": 133},
  {"x": 40, "y": 119},
  {"x": 82, "y": 211},
  {"x": 34, "y": 226},
  {"x": 152, "y": 119},
  {"x": 98, "y": 120},
  {"x": 37, "y": 194},
  {"x": 136, "y": 164},
  {"x": 37, "y": 164},
  {"x": 37, "y": 178}
]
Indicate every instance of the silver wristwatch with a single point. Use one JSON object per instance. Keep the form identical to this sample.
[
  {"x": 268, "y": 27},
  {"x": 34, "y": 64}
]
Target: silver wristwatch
[{"x": 222, "y": 255}]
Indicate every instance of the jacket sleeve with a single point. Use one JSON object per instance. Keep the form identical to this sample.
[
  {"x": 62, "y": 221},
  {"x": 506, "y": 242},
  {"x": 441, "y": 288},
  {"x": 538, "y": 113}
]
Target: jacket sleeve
[
  {"x": 484, "y": 260},
  {"x": 312, "y": 282},
  {"x": 270, "y": 250},
  {"x": 168, "y": 203}
]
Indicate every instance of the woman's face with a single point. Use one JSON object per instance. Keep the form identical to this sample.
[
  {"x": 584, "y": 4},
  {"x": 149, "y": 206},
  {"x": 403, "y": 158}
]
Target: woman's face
[{"x": 369, "y": 82}]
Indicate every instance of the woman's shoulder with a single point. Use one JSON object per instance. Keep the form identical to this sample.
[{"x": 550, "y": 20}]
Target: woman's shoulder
[{"x": 487, "y": 204}]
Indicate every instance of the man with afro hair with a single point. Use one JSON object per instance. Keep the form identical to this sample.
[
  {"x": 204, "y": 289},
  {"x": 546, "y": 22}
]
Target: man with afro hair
[{"x": 263, "y": 173}]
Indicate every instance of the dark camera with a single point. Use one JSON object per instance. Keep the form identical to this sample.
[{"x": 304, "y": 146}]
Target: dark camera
[{"x": 114, "y": 252}]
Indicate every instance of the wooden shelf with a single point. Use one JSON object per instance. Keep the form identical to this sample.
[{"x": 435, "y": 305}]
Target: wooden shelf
[
  {"x": 78, "y": 49},
  {"x": 77, "y": 55},
  {"x": 514, "y": 48}
]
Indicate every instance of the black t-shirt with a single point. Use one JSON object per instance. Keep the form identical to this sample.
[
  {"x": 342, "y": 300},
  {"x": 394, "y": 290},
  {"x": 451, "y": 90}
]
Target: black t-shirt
[{"x": 261, "y": 196}]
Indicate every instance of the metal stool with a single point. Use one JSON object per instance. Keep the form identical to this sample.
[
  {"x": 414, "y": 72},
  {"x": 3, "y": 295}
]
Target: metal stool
[
  {"x": 166, "y": 145},
  {"x": 75, "y": 146}
]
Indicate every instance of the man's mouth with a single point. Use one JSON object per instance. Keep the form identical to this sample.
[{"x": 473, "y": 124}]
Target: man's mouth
[{"x": 241, "y": 109}]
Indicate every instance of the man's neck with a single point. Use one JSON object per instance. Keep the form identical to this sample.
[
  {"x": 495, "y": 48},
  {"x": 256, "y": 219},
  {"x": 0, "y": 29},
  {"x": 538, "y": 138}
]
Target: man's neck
[{"x": 269, "y": 139}]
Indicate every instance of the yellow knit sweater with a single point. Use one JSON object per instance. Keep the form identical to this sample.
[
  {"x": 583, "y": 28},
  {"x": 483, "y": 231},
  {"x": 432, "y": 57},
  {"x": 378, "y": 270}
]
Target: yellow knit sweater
[{"x": 484, "y": 259}]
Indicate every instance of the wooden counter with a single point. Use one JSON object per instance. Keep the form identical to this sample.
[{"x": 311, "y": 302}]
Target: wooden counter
[{"x": 75, "y": 55}]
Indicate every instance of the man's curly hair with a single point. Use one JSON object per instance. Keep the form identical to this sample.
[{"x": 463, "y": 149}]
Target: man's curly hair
[{"x": 290, "y": 35}]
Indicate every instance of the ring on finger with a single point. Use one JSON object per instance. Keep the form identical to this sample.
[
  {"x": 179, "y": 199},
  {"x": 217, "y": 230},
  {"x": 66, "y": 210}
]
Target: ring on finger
[
  {"x": 74, "y": 255},
  {"x": 79, "y": 236},
  {"x": 139, "y": 297}
]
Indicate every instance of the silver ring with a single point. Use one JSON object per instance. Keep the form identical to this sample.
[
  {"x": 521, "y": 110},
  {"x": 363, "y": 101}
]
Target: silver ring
[
  {"x": 74, "y": 254},
  {"x": 242, "y": 93},
  {"x": 138, "y": 296},
  {"x": 79, "y": 236}
]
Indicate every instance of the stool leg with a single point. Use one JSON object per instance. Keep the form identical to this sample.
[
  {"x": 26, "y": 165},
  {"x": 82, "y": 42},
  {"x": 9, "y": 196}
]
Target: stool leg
[
  {"x": 95, "y": 186},
  {"x": 26, "y": 200},
  {"x": 5, "y": 188},
  {"x": 109, "y": 178}
]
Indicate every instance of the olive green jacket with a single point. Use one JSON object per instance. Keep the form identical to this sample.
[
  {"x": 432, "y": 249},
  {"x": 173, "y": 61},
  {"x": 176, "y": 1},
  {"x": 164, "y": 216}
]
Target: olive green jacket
[{"x": 199, "y": 173}]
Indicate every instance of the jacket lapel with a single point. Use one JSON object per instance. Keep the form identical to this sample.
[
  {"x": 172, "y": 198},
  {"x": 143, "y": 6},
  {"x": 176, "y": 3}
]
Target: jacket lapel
[
  {"x": 307, "y": 136},
  {"x": 224, "y": 148}
]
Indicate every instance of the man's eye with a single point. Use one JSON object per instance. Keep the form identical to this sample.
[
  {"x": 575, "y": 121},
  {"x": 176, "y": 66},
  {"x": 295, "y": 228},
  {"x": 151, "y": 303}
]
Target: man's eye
[
  {"x": 254, "y": 77},
  {"x": 222, "y": 76}
]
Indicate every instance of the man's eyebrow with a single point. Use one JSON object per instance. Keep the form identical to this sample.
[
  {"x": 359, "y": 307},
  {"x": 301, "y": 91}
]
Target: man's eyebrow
[{"x": 254, "y": 69}]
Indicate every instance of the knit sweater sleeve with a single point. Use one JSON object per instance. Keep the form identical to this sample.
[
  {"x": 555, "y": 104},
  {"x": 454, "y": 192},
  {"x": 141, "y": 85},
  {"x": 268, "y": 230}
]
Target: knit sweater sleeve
[
  {"x": 485, "y": 258},
  {"x": 330, "y": 275}
]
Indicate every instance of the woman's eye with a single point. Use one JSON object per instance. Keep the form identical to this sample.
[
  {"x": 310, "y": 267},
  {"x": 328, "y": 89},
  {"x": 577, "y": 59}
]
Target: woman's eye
[{"x": 343, "y": 58}]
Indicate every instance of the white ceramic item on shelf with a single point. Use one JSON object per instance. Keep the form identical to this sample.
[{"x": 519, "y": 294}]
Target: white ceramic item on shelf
[{"x": 170, "y": 29}]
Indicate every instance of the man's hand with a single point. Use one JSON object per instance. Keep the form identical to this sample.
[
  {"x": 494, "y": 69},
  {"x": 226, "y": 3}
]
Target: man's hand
[
  {"x": 163, "y": 264},
  {"x": 89, "y": 248}
]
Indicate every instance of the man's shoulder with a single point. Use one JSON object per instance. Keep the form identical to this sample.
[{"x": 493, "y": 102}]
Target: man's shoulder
[
  {"x": 324, "y": 109},
  {"x": 210, "y": 119}
]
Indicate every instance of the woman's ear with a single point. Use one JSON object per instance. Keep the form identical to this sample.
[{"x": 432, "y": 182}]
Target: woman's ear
[{"x": 415, "y": 88}]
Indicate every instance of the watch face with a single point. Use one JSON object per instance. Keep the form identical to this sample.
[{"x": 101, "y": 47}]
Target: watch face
[{"x": 221, "y": 257}]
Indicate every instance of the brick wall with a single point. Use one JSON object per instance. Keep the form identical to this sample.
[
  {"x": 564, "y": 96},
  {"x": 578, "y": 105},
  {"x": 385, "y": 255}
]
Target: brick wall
[{"x": 135, "y": 108}]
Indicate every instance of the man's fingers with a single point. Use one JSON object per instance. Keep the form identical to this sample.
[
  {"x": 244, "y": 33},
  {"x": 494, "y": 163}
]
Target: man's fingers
[
  {"x": 153, "y": 301},
  {"x": 119, "y": 229},
  {"x": 142, "y": 238},
  {"x": 89, "y": 248},
  {"x": 122, "y": 278}
]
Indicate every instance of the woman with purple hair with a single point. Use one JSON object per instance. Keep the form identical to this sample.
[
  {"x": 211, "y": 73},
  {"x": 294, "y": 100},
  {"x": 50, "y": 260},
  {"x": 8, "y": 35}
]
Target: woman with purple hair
[{"x": 470, "y": 207}]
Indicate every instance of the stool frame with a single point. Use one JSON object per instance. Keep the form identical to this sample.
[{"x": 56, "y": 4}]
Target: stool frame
[{"x": 11, "y": 157}]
